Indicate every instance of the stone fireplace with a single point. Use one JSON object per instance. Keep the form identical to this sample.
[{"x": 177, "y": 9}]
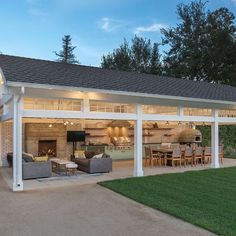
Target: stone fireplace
[
  {"x": 41, "y": 139},
  {"x": 47, "y": 147}
]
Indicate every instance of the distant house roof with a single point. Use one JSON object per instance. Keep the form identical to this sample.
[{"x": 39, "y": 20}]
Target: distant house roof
[{"x": 26, "y": 70}]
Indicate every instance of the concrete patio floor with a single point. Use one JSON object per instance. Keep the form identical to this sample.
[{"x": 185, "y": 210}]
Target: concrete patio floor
[
  {"x": 88, "y": 210},
  {"x": 121, "y": 169}
]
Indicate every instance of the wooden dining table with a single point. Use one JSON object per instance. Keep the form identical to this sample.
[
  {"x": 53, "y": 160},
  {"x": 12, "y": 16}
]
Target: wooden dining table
[{"x": 164, "y": 152}]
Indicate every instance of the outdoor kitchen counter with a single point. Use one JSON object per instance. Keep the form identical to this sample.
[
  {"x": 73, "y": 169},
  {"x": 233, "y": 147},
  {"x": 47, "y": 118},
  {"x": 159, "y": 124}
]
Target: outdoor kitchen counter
[{"x": 115, "y": 154}]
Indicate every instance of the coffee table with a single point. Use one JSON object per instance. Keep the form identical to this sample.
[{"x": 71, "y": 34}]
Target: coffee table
[{"x": 59, "y": 165}]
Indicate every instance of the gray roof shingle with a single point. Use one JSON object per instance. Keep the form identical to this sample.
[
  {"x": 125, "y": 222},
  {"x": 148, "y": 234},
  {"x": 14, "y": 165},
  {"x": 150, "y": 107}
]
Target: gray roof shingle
[{"x": 20, "y": 69}]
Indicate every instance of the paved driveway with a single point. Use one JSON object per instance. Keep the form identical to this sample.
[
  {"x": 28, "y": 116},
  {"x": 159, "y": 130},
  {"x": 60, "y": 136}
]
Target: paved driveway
[{"x": 88, "y": 210}]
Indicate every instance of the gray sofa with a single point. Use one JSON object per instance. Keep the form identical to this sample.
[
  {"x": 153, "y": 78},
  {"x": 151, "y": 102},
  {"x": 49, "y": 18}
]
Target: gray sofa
[
  {"x": 33, "y": 169},
  {"x": 94, "y": 165}
]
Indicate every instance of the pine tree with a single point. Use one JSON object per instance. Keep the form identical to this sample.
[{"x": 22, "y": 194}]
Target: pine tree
[
  {"x": 66, "y": 55},
  {"x": 120, "y": 59},
  {"x": 155, "y": 65},
  {"x": 141, "y": 54}
]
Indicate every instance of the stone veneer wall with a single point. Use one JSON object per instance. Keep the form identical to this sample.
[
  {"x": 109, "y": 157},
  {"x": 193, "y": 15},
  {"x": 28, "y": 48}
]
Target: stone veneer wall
[
  {"x": 40, "y": 131},
  {"x": 31, "y": 134}
]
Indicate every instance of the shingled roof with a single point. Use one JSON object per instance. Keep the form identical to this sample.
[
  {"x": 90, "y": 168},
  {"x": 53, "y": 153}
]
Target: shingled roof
[{"x": 26, "y": 70}]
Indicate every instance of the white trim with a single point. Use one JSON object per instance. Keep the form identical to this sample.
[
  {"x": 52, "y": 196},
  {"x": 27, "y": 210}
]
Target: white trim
[
  {"x": 122, "y": 116},
  {"x": 111, "y": 116},
  {"x": 153, "y": 117},
  {"x": 82, "y": 89},
  {"x": 78, "y": 115},
  {"x": 227, "y": 120}
]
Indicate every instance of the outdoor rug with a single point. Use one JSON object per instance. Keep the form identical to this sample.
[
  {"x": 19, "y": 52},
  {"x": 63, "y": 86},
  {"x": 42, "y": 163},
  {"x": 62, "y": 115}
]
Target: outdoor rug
[{"x": 80, "y": 175}]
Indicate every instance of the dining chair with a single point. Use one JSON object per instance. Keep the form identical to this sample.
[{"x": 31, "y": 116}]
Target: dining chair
[
  {"x": 221, "y": 154},
  {"x": 207, "y": 156},
  {"x": 198, "y": 155},
  {"x": 188, "y": 156},
  {"x": 174, "y": 157},
  {"x": 157, "y": 156},
  {"x": 151, "y": 157},
  {"x": 183, "y": 147}
]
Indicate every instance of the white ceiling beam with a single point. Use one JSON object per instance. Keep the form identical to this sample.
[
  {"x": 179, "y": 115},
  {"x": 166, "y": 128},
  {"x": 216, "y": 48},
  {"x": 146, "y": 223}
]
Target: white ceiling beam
[
  {"x": 78, "y": 115},
  {"x": 142, "y": 98}
]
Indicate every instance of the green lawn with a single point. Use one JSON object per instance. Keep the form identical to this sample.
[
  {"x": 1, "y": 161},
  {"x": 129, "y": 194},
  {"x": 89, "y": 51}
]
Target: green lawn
[{"x": 205, "y": 198}]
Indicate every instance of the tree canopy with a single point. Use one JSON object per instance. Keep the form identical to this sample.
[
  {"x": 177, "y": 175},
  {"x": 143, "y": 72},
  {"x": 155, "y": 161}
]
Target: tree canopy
[
  {"x": 202, "y": 45},
  {"x": 141, "y": 56},
  {"x": 66, "y": 55}
]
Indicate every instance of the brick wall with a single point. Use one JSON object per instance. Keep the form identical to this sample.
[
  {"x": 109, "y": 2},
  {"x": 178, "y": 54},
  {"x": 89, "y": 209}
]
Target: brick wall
[{"x": 6, "y": 141}]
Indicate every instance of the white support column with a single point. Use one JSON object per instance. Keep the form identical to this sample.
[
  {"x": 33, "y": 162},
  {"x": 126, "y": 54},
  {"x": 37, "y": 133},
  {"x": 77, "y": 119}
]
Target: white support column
[
  {"x": 138, "y": 143},
  {"x": 17, "y": 144},
  {"x": 215, "y": 140}
]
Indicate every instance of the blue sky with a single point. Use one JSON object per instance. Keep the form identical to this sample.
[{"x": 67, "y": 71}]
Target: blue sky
[{"x": 34, "y": 28}]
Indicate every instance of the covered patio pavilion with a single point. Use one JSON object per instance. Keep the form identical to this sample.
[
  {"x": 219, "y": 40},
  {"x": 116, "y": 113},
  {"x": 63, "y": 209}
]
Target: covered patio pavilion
[{"x": 80, "y": 92}]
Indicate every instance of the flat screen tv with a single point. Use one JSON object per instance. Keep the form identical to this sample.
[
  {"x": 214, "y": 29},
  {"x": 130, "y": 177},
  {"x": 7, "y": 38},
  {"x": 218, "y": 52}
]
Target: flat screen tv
[{"x": 75, "y": 136}]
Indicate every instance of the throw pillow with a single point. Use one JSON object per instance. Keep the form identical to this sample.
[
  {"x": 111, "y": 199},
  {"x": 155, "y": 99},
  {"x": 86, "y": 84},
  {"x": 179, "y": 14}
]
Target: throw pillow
[
  {"x": 27, "y": 158},
  {"x": 41, "y": 159},
  {"x": 79, "y": 154},
  {"x": 104, "y": 155},
  {"x": 89, "y": 154},
  {"x": 98, "y": 156},
  {"x": 28, "y": 154}
]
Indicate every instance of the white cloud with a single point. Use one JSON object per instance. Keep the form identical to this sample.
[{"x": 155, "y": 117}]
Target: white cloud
[
  {"x": 107, "y": 24},
  {"x": 151, "y": 28}
]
